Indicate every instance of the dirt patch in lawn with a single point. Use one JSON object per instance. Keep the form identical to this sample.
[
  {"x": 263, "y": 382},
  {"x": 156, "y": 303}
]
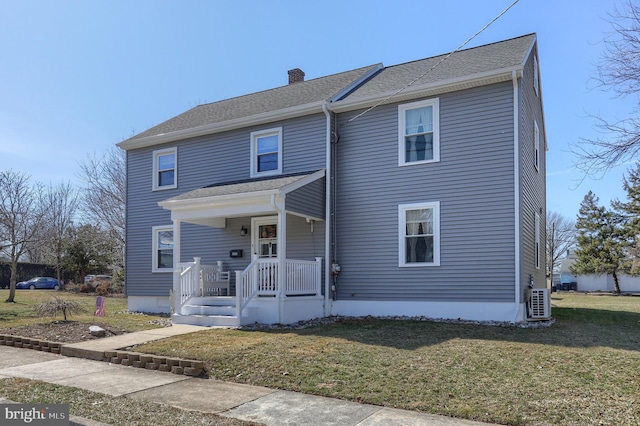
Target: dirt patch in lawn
[{"x": 61, "y": 331}]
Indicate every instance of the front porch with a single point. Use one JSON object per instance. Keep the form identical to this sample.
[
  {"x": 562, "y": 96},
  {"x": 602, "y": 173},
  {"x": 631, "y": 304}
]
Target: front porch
[
  {"x": 268, "y": 237},
  {"x": 269, "y": 290}
]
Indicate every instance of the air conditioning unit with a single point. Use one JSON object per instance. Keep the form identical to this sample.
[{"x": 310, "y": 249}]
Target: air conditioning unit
[{"x": 539, "y": 304}]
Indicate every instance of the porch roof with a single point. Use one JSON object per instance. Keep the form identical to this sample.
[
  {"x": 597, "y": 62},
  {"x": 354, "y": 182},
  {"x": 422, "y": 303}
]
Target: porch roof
[{"x": 212, "y": 204}]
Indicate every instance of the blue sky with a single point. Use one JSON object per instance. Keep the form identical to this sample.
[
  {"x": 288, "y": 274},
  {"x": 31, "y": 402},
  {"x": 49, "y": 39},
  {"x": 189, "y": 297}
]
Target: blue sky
[{"x": 77, "y": 77}]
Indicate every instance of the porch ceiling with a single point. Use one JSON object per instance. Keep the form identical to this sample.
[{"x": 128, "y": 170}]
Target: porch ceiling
[{"x": 211, "y": 205}]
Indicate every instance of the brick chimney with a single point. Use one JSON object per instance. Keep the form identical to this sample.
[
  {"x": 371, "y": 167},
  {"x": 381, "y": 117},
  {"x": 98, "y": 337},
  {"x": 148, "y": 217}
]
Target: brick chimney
[{"x": 296, "y": 75}]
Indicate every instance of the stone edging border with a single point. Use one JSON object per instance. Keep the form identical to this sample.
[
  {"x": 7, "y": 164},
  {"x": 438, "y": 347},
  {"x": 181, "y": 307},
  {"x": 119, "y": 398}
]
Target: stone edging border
[
  {"x": 28, "y": 343},
  {"x": 128, "y": 358}
]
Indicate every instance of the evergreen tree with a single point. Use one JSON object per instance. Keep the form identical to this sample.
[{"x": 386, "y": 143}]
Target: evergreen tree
[
  {"x": 630, "y": 210},
  {"x": 602, "y": 240}
]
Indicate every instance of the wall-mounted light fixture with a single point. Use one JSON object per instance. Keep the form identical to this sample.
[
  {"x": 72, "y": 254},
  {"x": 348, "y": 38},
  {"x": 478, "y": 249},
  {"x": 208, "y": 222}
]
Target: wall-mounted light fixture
[{"x": 243, "y": 231}]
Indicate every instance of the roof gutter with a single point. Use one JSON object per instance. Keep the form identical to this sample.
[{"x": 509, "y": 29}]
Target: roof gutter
[{"x": 257, "y": 119}]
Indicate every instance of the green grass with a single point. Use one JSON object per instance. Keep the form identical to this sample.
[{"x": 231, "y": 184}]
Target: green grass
[
  {"x": 21, "y": 313},
  {"x": 584, "y": 370}
]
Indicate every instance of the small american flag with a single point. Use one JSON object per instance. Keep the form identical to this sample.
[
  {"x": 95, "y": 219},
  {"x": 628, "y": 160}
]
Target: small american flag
[{"x": 100, "y": 305}]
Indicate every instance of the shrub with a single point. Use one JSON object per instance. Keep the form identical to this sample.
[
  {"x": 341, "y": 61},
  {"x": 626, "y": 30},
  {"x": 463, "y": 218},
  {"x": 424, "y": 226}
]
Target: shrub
[{"x": 58, "y": 305}]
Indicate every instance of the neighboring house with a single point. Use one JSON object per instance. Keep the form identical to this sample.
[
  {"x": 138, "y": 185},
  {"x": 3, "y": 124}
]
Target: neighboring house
[{"x": 416, "y": 189}]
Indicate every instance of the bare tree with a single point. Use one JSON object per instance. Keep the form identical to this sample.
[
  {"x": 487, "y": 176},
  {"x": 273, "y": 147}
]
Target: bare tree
[
  {"x": 561, "y": 236},
  {"x": 21, "y": 215},
  {"x": 61, "y": 205},
  {"x": 618, "y": 71},
  {"x": 104, "y": 193}
]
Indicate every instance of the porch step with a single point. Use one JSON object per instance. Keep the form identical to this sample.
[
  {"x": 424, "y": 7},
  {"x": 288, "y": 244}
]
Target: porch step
[
  {"x": 222, "y": 310},
  {"x": 207, "y": 320},
  {"x": 213, "y": 301},
  {"x": 210, "y": 311}
]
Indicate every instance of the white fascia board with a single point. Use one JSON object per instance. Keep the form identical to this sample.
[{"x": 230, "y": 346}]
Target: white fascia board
[
  {"x": 208, "y": 129},
  {"x": 206, "y": 213},
  {"x": 194, "y": 203},
  {"x": 466, "y": 82}
]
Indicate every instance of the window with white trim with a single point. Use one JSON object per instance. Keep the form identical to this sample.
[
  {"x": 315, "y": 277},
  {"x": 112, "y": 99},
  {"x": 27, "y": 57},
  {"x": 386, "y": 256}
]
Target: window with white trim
[
  {"x": 165, "y": 169},
  {"x": 419, "y": 132},
  {"x": 419, "y": 234},
  {"x": 266, "y": 152},
  {"x": 537, "y": 242},
  {"x": 536, "y": 76},
  {"x": 536, "y": 145},
  {"x": 162, "y": 260}
]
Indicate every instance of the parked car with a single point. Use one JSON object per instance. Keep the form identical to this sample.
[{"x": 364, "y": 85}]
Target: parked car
[
  {"x": 38, "y": 283},
  {"x": 96, "y": 280}
]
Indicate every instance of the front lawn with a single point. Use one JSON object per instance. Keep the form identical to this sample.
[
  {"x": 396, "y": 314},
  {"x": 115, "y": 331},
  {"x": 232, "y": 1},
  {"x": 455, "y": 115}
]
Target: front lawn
[
  {"x": 21, "y": 313},
  {"x": 584, "y": 370}
]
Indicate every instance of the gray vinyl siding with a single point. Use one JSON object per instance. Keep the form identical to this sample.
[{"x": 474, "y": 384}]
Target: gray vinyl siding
[
  {"x": 473, "y": 181},
  {"x": 302, "y": 243},
  {"x": 203, "y": 161},
  {"x": 308, "y": 200},
  {"x": 532, "y": 182}
]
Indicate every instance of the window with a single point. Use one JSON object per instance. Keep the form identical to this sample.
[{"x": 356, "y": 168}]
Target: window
[
  {"x": 165, "y": 170},
  {"x": 162, "y": 249},
  {"x": 419, "y": 132},
  {"x": 536, "y": 145},
  {"x": 266, "y": 152},
  {"x": 537, "y": 242},
  {"x": 419, "y": 236},
  {"x": 536, "y": 76}
]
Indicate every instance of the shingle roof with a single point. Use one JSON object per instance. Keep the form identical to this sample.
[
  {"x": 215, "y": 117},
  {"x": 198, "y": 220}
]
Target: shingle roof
[
  {"x": 468, "y": 62},
  {"x": 490, "y": 57},
  {"x": 292, "y": 95}
]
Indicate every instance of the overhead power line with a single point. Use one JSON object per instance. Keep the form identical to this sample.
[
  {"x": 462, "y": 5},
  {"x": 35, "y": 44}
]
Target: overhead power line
[{"x": 412, "y": 82}]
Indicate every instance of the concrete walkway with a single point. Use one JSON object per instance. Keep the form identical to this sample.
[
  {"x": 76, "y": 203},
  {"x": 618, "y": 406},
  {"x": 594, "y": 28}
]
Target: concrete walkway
[{"x": 251, "y": 403}]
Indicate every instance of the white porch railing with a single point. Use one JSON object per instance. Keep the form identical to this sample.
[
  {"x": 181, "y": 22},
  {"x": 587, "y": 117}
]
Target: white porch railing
[
  {"x": 199, "y": 280},
  {"x": 260, "y": 278}
]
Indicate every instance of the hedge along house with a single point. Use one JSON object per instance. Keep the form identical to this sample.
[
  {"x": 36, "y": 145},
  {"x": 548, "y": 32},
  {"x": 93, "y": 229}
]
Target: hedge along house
[{"x": 416, "y": 189}]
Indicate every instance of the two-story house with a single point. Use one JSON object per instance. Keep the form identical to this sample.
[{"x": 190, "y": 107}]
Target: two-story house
[{"x": 415, "y": 189}]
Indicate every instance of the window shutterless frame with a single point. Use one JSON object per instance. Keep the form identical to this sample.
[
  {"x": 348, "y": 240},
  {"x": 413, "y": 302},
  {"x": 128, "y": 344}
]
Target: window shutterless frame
[
  {"x": 419, "y": 234},
  {"x": 162, "y": 249},
  {"x": 419, "y": 132},
  {"x": 536, "y": 145},
  {"x": 165, "y": 169},
  {"x": 266, "y": 152}
]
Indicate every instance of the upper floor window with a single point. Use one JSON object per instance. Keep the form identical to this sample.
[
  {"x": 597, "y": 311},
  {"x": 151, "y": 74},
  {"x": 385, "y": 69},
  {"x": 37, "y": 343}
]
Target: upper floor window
[
  {"x": 419, "y": 236},
  {"x": 536, "y": 77},
  {"x": 536, "y": 254},
  {"x": 419, "y": 132},
  {"x": 165, "y": 169},
  {"x": 266, "y": 152},
  {"x": 162, "y": 260},
  {"x": 536, "y": 145}
]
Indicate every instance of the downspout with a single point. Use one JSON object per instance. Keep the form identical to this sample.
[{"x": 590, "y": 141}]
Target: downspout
[
  {"x": 328, "y": 258},
  {"x": 516, "y": 183}
]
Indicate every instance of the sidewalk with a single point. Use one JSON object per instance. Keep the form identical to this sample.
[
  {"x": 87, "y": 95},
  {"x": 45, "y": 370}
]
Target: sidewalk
[{"x": 251, "y": 403}]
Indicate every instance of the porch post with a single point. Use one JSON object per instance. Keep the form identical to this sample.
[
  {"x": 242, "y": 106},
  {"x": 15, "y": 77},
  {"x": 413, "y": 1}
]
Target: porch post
[
  {"x": 318, "y": 276},
  {"x": 177, "y": 290},
  {"x": 282, "y": 255}
]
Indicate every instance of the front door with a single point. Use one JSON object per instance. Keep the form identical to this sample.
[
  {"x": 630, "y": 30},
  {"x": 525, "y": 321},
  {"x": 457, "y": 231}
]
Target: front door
[
  {"x": 264, "y": 244},
  {"x": 265, "y": 237}
]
